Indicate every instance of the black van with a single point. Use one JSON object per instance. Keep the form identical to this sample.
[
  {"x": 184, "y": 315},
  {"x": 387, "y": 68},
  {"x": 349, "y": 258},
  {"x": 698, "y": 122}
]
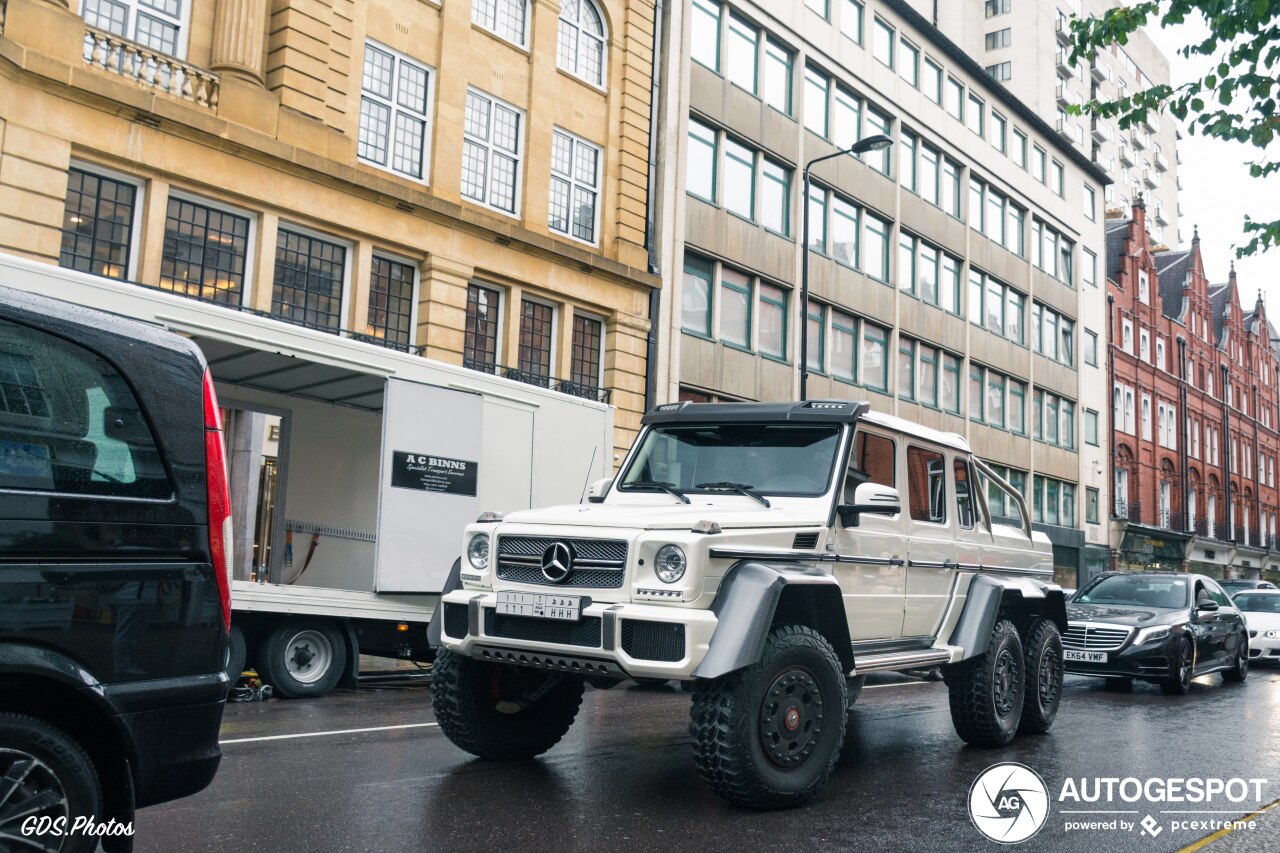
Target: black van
[{"x": 114, "y": 551}]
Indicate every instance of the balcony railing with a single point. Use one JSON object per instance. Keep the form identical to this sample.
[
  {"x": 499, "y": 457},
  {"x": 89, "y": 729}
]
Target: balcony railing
[
  {"x": 150, "y": 68},
  {"x": 541, "y": 380},
  {"x": 1128, "y": 510}
]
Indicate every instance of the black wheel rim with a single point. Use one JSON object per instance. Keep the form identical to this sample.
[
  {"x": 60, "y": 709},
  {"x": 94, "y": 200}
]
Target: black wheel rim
[
  {"x": 1242, "y": 666},
  {"x": 29, "y": 788},
  {"x": 1005, "y": 682},
  {"x": 791, "y": 718},
  {"x": 1184, "y": 665},
  {"x": 1049, "y": 678}
]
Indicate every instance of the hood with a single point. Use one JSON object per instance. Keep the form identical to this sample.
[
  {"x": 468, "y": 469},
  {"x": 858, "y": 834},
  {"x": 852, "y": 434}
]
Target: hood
[
  {"x": 1261, "y": 621},
  {"x": 729, "y": 511},
  {"x": 1121, "y": 615}
]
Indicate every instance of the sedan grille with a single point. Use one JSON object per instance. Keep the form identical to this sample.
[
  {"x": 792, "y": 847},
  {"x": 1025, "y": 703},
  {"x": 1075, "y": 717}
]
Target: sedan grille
[
  {"x": 1094, "y": 638},
  {"x": 597, "y": 563}
]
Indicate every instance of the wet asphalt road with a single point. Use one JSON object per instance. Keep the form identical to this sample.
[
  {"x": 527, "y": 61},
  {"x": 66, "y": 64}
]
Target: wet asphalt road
[{"x": 623, "y": 779}]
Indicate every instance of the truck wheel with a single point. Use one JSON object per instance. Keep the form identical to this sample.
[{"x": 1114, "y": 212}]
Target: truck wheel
[
  {"x": 1181, "y": 663},
  {"x": 54, "y": 779},
  {"x": 1042, "y": 651},
  {"x": 987, "y": 691},
  {"x": 237, "y": 651},
  {"x": 303, "y": 658},
  {"x": 768, "y": 736},
  {"x": 502, "y": 712}
]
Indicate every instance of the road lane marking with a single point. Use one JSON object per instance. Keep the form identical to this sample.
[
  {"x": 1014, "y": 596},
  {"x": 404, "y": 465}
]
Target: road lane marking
[
  {"x": 1227, "y": 830},
  {"x": 325, "y": 734}
]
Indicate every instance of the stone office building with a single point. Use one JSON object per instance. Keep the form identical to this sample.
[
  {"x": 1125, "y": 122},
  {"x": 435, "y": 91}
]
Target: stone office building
[
  {"x": 946, "y": 273},
  {"x": 467, "y": 179},
  {"x": 1195, "y": 408}
]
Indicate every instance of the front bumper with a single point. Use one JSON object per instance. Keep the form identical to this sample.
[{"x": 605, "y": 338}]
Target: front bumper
[
  {"x": 1263, "y": 648},
  {"x": 1149, "y": 661},
  {"x": 612, "y": 639}
]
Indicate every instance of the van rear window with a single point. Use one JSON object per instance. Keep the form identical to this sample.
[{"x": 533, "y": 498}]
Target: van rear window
[{"x": 70, "y": 423}]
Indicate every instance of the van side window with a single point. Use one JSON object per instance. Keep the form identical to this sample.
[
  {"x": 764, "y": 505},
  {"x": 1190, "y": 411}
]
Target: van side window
[
  {"x": 964, "y": 497},
  {"x": 70, "y": 423},
  {"x": 872, "y": 462},
  {"x": 927, "y": 485}
]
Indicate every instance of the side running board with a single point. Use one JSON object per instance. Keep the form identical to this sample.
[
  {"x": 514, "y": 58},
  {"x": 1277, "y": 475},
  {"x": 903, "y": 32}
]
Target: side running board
[{"x": 865, "y": 663}]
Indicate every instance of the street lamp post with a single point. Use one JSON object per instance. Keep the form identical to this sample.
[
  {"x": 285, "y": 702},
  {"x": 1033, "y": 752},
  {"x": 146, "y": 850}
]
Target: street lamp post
[{"x": 871, "y": 143}]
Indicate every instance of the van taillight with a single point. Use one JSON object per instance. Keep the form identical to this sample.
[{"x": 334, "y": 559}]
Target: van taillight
[{"x": 219, "y": 498}]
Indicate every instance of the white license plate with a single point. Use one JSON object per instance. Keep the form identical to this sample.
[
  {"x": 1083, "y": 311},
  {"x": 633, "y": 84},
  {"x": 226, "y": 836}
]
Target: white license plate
[
  {"x": 1084, "y": 657},
  {"x": 539, "y": 605}
]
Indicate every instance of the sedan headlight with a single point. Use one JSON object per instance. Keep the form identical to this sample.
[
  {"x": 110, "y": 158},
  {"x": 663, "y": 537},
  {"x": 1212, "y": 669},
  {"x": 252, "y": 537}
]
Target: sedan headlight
[
  {"x": 478, "y": 551},
  {"x": 1150, "y": 635},
  {"x": 670, "y": 563},
  {"x": 1272, "y": 635}
]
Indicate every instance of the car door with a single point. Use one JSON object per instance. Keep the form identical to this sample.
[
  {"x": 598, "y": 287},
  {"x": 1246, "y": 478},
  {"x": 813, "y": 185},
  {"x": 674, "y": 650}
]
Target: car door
[
  {"x": 1228, "y": 624},
  {"x": 1208, "y": 629},
  {"x": 931, "y": 520},
  {"x": 871, "y": 557}
]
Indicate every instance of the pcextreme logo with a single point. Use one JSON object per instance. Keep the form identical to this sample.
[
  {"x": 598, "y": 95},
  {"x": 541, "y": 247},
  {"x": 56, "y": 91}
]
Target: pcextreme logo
[{"x": 1009, "y": 803}]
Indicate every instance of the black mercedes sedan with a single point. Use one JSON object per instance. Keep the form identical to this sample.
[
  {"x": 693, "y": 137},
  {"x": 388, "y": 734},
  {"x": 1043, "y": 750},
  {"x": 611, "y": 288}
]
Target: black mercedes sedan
[{"x": 1166, "y": 628}]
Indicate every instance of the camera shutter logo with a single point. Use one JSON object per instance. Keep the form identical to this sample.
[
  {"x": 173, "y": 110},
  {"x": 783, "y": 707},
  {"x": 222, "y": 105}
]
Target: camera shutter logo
[
  {"x": 557, "y": 562},
  {"x": 1009, "y": 803}
]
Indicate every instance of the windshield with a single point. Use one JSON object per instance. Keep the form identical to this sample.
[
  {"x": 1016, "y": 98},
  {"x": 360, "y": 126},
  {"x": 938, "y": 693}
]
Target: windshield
[
  {"x": 775, "y": 459},
  {"x": 1135, "y": 591},
  {"x": 1258, "y": 602}
]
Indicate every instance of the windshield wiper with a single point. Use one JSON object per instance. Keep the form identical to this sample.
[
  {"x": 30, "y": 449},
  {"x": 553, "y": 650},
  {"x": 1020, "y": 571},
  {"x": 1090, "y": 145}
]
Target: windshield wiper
[
  {"x": 655, "y": 484},
  {"x": 740, "y": 488}
]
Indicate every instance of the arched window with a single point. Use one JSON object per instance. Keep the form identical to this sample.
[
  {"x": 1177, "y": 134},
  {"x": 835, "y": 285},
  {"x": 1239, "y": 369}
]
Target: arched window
[{"x": 580, "y": 49}]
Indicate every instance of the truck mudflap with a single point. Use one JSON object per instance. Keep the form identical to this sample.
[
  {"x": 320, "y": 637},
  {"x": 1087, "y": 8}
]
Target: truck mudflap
[
  {"x": 989, "y": 596},
  {"x": 454, "y": 581},
  {"x": 752, "y": 593}
]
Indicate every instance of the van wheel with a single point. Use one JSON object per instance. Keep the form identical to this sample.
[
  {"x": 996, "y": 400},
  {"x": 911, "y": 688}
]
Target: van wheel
[
  {"x": 503, "y": 712},
  {"x": 987, "y": 691},
  {"x": 768, "y": 736},
  {"x": 1042, "y": 648},
  {"x": 237, "y": 652},
  {"x": 303, "y": 658},
  {"x": 44, "y": 773}
]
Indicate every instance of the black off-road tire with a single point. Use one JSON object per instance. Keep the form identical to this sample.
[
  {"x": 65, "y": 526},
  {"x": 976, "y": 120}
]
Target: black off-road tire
[
  {"x": 796, "y": 689},
  {"x": 1181, "y": 671},
  {"x": 52, "y": 765},
  {"x": 475, "y": 704},
  {"x": 987, "y": 691},
  {"x": 1238, "y": 673},
  {"x": 1045, "y": 670}
]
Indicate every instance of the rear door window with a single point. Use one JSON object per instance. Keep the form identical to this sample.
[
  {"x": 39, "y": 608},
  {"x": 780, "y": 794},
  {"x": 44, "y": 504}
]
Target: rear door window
[
  {"x": 70, "y": 423},
  {"x": 964, "y": 494},
  {"x": 927, "y": 485}
]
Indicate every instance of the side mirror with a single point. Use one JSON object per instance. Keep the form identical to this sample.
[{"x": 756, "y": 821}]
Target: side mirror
[
  {"x": 1207, "y": 606},
  {"x": 596, "y": 491},
  {"x": 870, "y": 498}
]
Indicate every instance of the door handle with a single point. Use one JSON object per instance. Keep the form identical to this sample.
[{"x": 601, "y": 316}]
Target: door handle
[{"x": 950, "y": 564}]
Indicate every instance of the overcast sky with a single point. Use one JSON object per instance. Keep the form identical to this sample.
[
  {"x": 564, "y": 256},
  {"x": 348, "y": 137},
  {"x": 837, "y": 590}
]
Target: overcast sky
[{"x": 1217, "y": 190}]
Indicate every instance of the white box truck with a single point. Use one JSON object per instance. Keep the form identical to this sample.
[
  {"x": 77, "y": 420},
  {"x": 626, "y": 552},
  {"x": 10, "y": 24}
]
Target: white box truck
[{"x": 353, "y": 469}]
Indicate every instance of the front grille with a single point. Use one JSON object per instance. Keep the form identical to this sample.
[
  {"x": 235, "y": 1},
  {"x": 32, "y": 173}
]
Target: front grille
[
  {"x": 455, "y": 620},
  {"x": 585, "y": 632},
  {"x": 1092, "y": 638},
  {"x": 653, "y": 640},
  {"x": 598, "y": 563},
  {"x": 805, "y": 541}
]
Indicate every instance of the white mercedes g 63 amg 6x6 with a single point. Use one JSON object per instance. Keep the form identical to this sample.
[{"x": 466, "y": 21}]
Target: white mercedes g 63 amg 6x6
[{"x": 772, "y": 554}]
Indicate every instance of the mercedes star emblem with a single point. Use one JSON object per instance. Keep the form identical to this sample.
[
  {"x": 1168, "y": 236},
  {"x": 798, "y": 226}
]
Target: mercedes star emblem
[{"x": 557, "y": 562}]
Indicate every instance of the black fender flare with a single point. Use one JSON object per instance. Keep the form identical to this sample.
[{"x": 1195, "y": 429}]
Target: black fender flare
[
  {"x": 989, "y": 596},
  {"x": 436, "y": 626},
  {"x": 752, "y": 593}
]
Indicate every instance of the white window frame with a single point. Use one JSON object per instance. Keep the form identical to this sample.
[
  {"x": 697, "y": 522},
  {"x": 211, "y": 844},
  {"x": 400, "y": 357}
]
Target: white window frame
[
  {"x": 521, "y": 138},
  {"x": 139, "y": 201},
  {"x": 1144, "y": 345},
  {"x": 133, "y": 7},
  {"x": 251, "y": 240},
  {"x": 1146, "y": 417},
  {"x": 574, "y": 184},
  {"x": 603, "y": 85},
  {"x": 523, "y": 44},
  {"x": 1126, "y": 336},
  {"x": 396, "y": 108}
]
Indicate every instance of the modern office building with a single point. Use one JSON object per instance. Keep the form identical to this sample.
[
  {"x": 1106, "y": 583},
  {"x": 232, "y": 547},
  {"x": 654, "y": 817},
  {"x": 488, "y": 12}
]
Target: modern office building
[
  {"x": 1014, "y": 40},
  {"x": 947, "y": 274},
  {"x": 1197, "y": 422},
  {"x": 465, "y": 179}
]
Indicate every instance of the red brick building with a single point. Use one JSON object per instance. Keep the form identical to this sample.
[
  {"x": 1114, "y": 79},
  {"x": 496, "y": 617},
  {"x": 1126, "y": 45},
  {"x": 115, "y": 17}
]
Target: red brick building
[{"x": 1196, "y": 423}]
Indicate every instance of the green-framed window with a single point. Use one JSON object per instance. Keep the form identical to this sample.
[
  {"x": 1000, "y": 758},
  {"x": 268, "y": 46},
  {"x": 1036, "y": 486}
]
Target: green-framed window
[
  {"x": 844, "y": 346},
  {"x": 739, "y": 179},
  {"x": 816, "y": 329},
  {"x": 735, "y": 308},
  {"x": 700, "y": 167},
  {"x": 844, "y": 232},
  {"x": 906, "y": 369},
  {"x": 772, "y": 334},
  {"x": 704, "y": 41},
  {"x": 875, "y": 357},
  {"x": 695, "y": 296}
]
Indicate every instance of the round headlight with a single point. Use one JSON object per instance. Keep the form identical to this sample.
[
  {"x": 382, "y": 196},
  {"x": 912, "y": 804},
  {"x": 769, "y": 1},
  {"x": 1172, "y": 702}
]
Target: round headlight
[
  {"x": 670, "y": 563},
  {"x": 1273, "y": 635},
  {"x": 478, "y": 551}
]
